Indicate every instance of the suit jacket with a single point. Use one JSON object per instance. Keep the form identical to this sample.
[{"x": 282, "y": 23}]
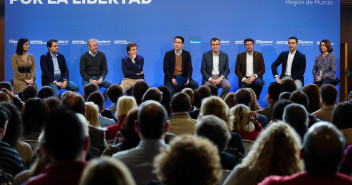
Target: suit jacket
[
  {"x": 47, "y": 67},
  {"x": 298, "y": 65},
  {"x": 207, "y": 65},
  {"x": 169, "y": 65},
  {"x": 241, "y": 65}
]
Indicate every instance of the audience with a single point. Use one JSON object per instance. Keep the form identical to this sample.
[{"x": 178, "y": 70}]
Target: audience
[
  {"x": 297, "y": 117},
  {"x": 278, "y": 109},
  {"x": 89, "y": 89},
  {"x": 272, "y": 96},
  {"x": 153, "y": 94},
  {"x": 275, "y": 152},
  {"x": 29, "y": 92},
  {"x": 288, "y": 85},
  {"x": 284, "y": 96},
  {"x": 199, "y": 94},
  {"x": 33, "y": 115},
  {"x": 166, "y": 100},
  {"x": 92, "y": 112},
  {"x": 98, "y": 99},
  {"x": 45, "y": 92},
  {"x": 114, "y": 92},
  {"x": 342, "y": 119},
  {"x": 254, "y": 106},
  {"x": 313, "y": 93},
  {"x": 213, "y": 89},
  {"x": 189, "y": 161},
  {"x": 328, "y": 99},
  {"x": 180, "y": 122},
  {"x": 138, "y": 91},
  {"x": 229, "y": 100}
]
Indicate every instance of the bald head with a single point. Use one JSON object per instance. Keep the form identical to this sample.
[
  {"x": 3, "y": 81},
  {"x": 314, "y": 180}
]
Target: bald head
[
  {"x": 152, "y": 119},
  {"x": 323, "y": 149}
]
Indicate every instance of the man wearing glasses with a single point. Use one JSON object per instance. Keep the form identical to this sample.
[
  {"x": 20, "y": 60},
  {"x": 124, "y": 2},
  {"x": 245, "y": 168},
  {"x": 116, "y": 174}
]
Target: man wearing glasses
[{"x": 215, "y": 68}]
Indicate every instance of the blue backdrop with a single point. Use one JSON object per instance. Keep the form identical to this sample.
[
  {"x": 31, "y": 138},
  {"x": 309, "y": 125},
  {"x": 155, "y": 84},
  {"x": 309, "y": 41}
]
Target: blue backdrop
[{"x": 153, "y": 24}]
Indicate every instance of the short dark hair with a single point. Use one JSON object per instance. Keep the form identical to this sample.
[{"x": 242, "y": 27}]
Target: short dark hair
[
  {"x": 52, "y": 102},
  {"x": 288, "y": 85},
  {"x": 341, "y": 117},
  {"x": 201, "y": 93},
  {"x": 213, "y": 89},
  {"x": 45, "y": 92},
  {"x": 295, "y": 38},
  {"x": 50, "y": 43},
  {"x": 328, "y": 93},
  {"x": 89, "y": 88},
  {"x": 327, "y": 44},
  {"x": 300, "y": 97},
  {"x": 274, "y": 90},
  {"x": 248, "y": 40},
  {"x": 214, "y": 39},
  {"x": 6, "y": 85},
  {"x": 4, "y": 117},
  {"x": 69, "y": 146},
  {"x": 29, "y": 91},
  {"x": 152, "y": 119},
  {"x": 296, "y": 116},
  {"x": 180, "y": 102},
  {"x": 278, "y": 109},
  {"x": 14, "y": 127},
  {"x": 139, "y": 88},
  {"x": 153, "y": 94},
  {"x": 20, "y": 43},
  {"x": 284, "y": 96},
  {"x": 97, "y": 98},
  {"x": 322, "y": 155},
  {"x": 33, "y": 114},
  {"x": 179, "y": 37},
  {"x": 166, "y": 97},
  {"x": 114, "y": 92},
  {"x": 130, "y": 45},
  {"x": 243, "y": 96},
  {"x": 75, "y": 102}
]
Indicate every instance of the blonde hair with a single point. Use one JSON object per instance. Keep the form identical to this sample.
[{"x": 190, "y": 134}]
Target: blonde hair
[
  {"x": 241, "y": 119},
  {"x": 189, "y": 159},
  {"x": 106, "y": 171},
  {"x": 125, "y": 104},
  {"x": 92, "y": 113},
  {"x": 275, "y": 152},
  {"x": 216, "y": 106},
  {"x": 254, "y": 106}
]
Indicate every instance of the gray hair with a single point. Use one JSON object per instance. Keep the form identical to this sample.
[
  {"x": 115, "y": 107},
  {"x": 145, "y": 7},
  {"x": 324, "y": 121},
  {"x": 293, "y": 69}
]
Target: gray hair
[{"x": 91, "y": 40}]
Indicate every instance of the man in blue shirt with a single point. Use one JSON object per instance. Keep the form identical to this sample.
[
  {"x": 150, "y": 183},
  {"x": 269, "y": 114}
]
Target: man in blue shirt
[
  {"x": 132, "y": 67},
  {"x": 54, "y": 70}
]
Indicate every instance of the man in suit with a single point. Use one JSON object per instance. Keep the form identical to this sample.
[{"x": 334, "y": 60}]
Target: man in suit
[
  {"x": 215, "y": 68},
  {"x": 250, "y": 68},
  {"x": 178, "y": 62},
  {"x": 293, "y": 64},
  {"x": 54, "y": 70}
]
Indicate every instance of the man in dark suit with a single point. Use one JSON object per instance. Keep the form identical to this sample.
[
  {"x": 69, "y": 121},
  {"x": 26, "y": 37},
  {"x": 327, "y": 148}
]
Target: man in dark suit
[
  {"x": 178, "y": 62},
  {"x": 54, "y": 70},
  {"x": 250, "y": 68},
  {"x": 293, "y": 64},
  {"x": 215, "y": 68}
]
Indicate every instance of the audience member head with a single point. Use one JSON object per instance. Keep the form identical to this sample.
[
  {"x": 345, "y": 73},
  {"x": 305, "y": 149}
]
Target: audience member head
[
  {"x": 300, "y": 97},
  {"x": 29, "y": 91},
  {"x": 199, "y": 94},
  {"x": 6, "y": 85},
  {"x": 92, "y": 113},
  {"x": 75, "y": 102},
  {"x": 278, "y": 109},
  {"x": 14, "y": 126},
  {"x": 33, "y": 114},
  {"x": 166, "y": 101},
  {"x": 213, "y": 89},
  {"x": 89, "y": 89},
  {"x": 125, "y": 104},
  {"x": 45, "y": 92},
  {"x": 288, "y": 85},
  {"x": 215, "y": 129},
  {"x": 296, "y": 115},
  {"x": 328, "y": 94},
  {"x": 229, "y": 99},
  {"x": 4, "y": 119},
  {"x": 98, "y": 99},
  {"x": 20, "y": 43},
  {"x": 214, "y": 105},
  {"x": 274, "y": 91},
  {"x": 323, "y": 149},
  {"x": 69, "y": 147},
  {"x": 254, "y": 104},
  {"x": 153, "y": 94},
  {"x": 127, "y": 131},
  {"x": 342, "y": 118},
  {"x": 138, "y": 91},
  {"x": 313, "y": 93},
  {"x": 180, "y": 102},
  {"x": 186, "y": 155},
  {"x": 284, "y": 96},
  {"x": 106, "y": 171},
  {"x": 271, "y": 154},
  {"x": 64, "y": 94},
  {"x": 241, "y": 119},
  {"x": 189, "y": 92},
  {"x": 243, "y": 96},
  {"x": 114, "y": 92},
  {"x": 4, "y": 97},
  {"x": 52, "y": 102},
  {"x": 327, "y": 44},
  {"x": 152, "y": 120}
]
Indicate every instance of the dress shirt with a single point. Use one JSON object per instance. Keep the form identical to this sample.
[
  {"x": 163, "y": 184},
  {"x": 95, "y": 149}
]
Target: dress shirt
[
  {"x": 215, "y": 70},
  {"x": 249, "y": 65},
  {"x": 57, "y": 71},
  {"x": 178, "y": 54},
  {"x": 289, "y": 63},
  {"x": 93, "y": 55}
]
